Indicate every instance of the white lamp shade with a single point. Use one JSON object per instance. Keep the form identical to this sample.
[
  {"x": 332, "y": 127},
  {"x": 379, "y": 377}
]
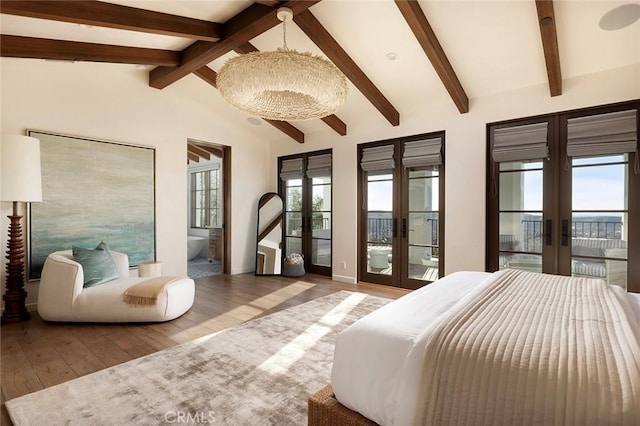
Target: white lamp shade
[{"x": 20, "y": 176}]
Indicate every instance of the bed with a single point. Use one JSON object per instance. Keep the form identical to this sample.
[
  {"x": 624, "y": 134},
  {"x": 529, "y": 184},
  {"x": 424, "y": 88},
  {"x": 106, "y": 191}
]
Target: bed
[{"x": 510, "y": 347}]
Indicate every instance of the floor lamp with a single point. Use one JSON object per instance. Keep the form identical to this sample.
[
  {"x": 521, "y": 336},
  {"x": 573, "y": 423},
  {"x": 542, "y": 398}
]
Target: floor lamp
[{"x": 20, "y": 182}]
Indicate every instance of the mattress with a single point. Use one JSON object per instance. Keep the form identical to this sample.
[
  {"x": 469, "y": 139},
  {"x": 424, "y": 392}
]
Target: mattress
[{"x": 378, "y": 361}]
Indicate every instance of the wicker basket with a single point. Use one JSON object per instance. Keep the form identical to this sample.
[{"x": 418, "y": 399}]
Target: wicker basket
[{"x": 293, "y": 270}]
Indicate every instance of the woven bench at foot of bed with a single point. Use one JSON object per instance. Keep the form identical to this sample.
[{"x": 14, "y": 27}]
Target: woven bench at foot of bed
[{"x": 325, "y": 410}]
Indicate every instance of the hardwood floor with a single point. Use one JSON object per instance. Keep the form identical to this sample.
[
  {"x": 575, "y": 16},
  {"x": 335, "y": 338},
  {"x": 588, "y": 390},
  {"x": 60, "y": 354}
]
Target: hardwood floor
[{"x": 38, "y": 354}]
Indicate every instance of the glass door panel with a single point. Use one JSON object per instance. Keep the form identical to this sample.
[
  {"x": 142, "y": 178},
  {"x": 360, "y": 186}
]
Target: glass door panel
[
  {"x": 422, "y": 226},
  {"x": 321, "y": 252},
  {"x": 401, "y": 184},
  {"x": 306, "y": 187},
  {"x": 293, "y": 216},
  {"x": 379, "y": 224},
  {"x": 599, "y": 218},
  {"x": 573, "y": 212},
  {"x": 520, "y": 216},
  {"x": 321, "y": 221}
]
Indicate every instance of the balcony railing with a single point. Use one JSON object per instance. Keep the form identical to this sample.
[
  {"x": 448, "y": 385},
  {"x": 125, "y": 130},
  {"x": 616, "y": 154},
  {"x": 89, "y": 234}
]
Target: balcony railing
[
  {"x": 532, "y": 235},
  {"x": 380, "y": 230},
  {"x": 294, "y": 224},
  {"x": 532, "y": 232},
  {"x": 608, "y": 230}
]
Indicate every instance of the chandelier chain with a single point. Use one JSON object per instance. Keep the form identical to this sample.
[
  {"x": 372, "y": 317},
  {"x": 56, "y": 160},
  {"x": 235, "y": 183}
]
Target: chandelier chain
[{"x": 284, "y": 34}]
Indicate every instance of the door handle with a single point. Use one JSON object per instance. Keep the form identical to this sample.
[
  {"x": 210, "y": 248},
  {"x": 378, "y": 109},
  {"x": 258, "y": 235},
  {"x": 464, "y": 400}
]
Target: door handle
[
  {"x": 404, "y": 228},
  {"x": 565, "y": 232},
  {"x": 548, "y": 239}
]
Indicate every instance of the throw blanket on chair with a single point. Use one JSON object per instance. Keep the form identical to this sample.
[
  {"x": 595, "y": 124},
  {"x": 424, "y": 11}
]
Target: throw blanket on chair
[
  {"x": 534, "y": 349},
  {"x": 146, "y": 293}
]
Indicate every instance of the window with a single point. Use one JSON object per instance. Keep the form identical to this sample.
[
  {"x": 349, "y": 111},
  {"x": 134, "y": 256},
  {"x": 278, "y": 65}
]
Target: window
[
  {"x": 564, "y": 194},
  {"x": 306, "y": 188},
  {"x": 206, "y": 198},
  {"x": 401, "y": 188}
]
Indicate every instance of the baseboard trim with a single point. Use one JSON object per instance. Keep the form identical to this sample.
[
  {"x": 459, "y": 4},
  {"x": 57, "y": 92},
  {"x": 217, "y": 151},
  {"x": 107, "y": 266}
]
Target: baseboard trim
[
  {"x": 244, "y": 270},
  {"x": 344, "y": 279}
]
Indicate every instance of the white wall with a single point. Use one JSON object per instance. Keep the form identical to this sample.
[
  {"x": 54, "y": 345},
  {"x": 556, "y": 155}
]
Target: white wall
[
  {"x": 111, "y": 102},
  {"x": 465, "y": 158},
  {"x": 114, "y": 102}
]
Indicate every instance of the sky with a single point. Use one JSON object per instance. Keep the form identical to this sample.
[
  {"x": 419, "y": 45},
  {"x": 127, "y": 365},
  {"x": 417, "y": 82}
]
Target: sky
[
  {"x": 594, "y": 188},
  {"x": 379, "y": 199}
]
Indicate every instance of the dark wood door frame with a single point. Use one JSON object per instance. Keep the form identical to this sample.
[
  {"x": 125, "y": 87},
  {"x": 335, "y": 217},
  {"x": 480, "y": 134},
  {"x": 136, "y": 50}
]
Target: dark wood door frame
[
  {"x": 307, "y": 212},
  {"x": 557, "y": 194},
  {"x": 224, "y": 153},
  {"x": 400, "y": 208}
]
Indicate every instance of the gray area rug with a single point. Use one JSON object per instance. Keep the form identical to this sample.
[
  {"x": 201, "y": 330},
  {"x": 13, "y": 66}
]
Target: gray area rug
[{"x": 258, "y": 373}]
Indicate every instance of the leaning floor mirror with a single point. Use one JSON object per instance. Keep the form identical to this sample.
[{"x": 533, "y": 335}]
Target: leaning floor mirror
[{"x": 269, "y": 238}]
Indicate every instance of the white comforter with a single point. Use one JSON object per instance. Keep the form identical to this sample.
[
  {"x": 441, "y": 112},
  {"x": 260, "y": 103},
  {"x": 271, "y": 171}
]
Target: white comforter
[
  {"x": 377, "y": 360},
  {"x": 505, "y": 353}
]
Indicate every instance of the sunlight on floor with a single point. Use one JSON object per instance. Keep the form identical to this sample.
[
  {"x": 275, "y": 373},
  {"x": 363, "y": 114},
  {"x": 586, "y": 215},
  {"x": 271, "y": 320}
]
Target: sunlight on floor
[
  {"x": 275, "y": 298},
  {"x": 245, "y": 312},
  {"x": 294, "y": 350}
]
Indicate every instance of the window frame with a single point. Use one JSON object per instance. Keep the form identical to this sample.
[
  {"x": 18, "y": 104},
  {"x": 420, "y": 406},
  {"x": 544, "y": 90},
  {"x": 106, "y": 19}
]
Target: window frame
[
  {"x": 557, "y": 194},
  {"x": 196, "y": 193},
  {"x": 307, "y": 237},
  {"x": 400, "y": 210}
]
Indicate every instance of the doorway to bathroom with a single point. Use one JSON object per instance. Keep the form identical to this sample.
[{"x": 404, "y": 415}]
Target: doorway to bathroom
[{"x": 208, "y": 204}]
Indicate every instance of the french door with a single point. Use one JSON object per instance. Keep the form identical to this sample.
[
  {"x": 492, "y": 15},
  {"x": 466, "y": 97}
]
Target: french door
[
  {"x": 401, "y": 199},
  {"x": 305, "y": 187},
  {"x": 564, "y": 194}
]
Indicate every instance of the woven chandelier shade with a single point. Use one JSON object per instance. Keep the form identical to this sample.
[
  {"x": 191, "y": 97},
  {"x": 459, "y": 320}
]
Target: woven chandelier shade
[{"x": 283, "y": 85}]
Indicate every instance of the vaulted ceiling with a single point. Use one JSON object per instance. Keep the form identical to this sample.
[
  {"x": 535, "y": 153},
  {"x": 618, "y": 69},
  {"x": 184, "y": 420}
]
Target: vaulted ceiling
[{"x": 398, "y": 55}]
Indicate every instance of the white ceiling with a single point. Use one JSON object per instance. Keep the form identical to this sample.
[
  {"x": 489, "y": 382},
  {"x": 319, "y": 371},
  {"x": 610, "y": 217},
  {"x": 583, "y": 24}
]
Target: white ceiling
[{"x": 493, "y": 46}]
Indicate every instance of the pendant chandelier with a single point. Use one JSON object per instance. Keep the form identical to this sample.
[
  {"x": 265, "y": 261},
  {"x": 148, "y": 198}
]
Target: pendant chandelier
[{"x": 284, "y": 84}]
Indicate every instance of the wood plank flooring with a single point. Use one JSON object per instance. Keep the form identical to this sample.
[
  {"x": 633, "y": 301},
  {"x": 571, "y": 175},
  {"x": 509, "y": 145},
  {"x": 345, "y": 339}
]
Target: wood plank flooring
[{"x": 38, "y": 354}]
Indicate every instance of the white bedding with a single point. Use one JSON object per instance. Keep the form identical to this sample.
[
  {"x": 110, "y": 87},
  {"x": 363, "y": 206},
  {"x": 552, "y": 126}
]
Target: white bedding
[
  {"x": 390, "y": 342},
  {"x": 378, "y": 363}
]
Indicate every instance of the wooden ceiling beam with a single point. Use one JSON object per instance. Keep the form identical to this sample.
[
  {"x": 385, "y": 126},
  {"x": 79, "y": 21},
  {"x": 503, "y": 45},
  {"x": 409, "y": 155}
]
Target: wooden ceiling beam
[
  {"x": 273, "y": 225},
  {"x": 288, "y": 128},
  {"x": 195, "y": 149},
  {"x": 331, "y": 120},
  {"x": 192, "y": 157},
  {"x": 321, "y": 37},
  {"x": 61, "y": 50},
  {"x": 336, "y": 124},
  {"x": 217, "y": 152},
  {"x": 249, "y": 23},
  {"x": 110, "y": 15},
  {"x": 210, "y": 76},
  {"x": 419, "y": 24},
  {"x": 270, "y": 2},
  {"x": 547, "y": 23}
]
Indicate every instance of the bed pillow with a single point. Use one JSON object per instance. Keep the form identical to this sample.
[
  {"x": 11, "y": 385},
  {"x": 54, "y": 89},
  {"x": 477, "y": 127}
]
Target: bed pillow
[{"x": 98, "y": 265}]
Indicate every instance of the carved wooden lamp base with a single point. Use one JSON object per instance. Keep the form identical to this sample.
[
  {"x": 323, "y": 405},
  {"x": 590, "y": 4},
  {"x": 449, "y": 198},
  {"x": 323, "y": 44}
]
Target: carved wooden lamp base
[{"x": 15, "y": 296}]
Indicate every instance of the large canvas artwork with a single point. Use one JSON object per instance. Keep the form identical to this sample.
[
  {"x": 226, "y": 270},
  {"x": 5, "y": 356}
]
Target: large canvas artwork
[{"x": 93, "y": 191}]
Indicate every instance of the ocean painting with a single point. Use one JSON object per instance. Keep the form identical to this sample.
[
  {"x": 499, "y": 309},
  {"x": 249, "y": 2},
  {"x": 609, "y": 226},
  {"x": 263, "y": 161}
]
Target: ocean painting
[{"x": 92, "y": 191}]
